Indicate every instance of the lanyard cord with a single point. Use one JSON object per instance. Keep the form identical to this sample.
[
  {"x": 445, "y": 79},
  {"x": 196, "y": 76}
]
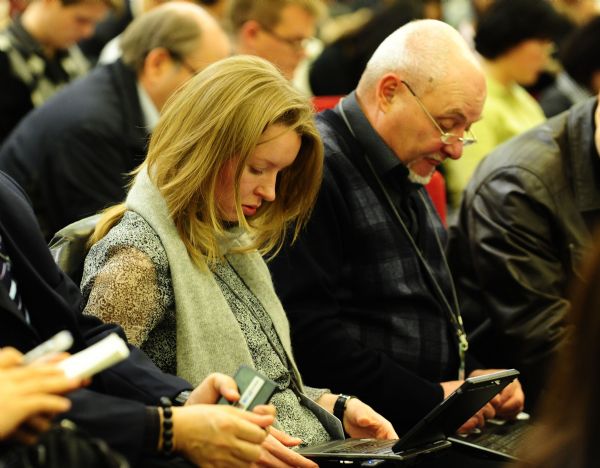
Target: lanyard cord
[{"x": 453, "y": 313}]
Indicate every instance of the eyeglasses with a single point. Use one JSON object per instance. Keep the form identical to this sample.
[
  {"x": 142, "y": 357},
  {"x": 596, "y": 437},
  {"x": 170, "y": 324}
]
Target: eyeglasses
[
  {"x": 296, "y": 44},
  {"x": 446, "y": 137},
  {"x": 180, "y": 60}
]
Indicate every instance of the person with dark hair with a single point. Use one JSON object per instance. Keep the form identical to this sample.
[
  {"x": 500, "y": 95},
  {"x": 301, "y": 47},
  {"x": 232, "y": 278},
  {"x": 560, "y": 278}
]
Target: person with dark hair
[
  {"x": 568, "y": 435},
  {"x": 38, "y": 54},
  {"x": 514, "y": 39},
  {"x": 580, "y": 78},
  {"x": 523, "y": 228},
  {"x": 337, "y": 70},
  {"x": 72, "y": 155}
]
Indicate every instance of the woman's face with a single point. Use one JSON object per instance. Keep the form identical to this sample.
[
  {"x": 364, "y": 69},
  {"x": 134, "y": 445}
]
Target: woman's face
[{"x": 277, "y": 149}]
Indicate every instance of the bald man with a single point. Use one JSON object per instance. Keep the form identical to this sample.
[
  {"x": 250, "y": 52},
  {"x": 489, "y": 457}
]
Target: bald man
[
  {"x": 367, "y": 288},
  {"x": 73, "y": 155}
]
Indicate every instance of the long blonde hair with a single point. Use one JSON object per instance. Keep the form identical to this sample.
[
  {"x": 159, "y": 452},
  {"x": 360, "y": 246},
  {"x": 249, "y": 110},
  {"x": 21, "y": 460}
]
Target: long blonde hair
[{"x": 218, "y": 115}]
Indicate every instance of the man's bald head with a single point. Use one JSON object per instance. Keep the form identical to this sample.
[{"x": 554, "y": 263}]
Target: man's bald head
[{"x": 423, "y": 52}]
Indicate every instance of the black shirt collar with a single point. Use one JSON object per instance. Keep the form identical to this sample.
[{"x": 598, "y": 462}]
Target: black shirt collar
[{"x": 386, "y": 164}]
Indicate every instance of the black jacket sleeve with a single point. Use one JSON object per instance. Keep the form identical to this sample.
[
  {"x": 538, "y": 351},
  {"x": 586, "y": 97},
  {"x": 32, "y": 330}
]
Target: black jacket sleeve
[{"x": 510, "y": 273}]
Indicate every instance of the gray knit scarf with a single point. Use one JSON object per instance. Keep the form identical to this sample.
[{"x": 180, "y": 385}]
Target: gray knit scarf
[{"x": 209, "y": 338}]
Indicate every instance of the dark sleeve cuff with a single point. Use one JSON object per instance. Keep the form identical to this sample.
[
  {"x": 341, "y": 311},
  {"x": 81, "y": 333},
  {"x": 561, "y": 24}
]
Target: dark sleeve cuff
[{"x": 152, "y": 430}]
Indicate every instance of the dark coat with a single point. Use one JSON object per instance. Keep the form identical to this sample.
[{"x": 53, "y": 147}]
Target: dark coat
[
  {"x": 114, "y": 406},
  {"x": 72, "y": 154},
  {"x": 523, "y": 228}
]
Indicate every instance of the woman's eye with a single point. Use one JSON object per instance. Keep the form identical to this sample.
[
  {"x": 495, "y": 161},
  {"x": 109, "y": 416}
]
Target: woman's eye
[{"x": 255, "y": 170}]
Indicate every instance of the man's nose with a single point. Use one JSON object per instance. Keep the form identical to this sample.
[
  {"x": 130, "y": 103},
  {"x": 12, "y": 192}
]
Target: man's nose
[{"x": 454, "y": 150}]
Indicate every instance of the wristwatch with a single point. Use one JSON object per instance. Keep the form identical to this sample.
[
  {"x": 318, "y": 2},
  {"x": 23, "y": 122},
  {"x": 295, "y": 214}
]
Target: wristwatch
[{"x": 340, "y": 406}]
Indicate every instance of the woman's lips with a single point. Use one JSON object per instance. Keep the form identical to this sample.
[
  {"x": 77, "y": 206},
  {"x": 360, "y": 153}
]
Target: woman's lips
[{"x": 249, "y": 210}]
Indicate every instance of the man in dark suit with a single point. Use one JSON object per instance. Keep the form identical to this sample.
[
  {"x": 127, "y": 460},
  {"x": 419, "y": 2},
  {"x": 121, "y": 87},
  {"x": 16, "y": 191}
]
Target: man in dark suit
[
  {"x": 120, "y": 406},
  {"x": 73, "y": 154}
]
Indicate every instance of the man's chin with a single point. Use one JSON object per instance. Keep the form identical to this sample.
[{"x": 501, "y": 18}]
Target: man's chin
[{"x": 419, "y": 179}]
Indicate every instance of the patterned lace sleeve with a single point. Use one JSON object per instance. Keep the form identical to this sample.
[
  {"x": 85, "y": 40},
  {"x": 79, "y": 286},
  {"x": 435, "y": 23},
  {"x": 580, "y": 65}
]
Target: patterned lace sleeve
[{"x": 125, "y": 292}]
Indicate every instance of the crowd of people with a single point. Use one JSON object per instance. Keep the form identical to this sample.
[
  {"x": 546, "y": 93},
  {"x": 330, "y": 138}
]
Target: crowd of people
[{"x": 199, "y": 208}]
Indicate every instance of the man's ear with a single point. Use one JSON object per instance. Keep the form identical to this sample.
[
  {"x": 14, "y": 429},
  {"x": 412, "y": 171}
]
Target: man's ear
[
  {"x": 387, "y": 87},
  {"x": 156, "y": 63},
  {"x": 248, "y": 35}
]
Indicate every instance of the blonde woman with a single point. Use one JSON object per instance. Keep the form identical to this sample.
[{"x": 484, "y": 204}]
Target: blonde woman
[{"x": 233, "y": 167}]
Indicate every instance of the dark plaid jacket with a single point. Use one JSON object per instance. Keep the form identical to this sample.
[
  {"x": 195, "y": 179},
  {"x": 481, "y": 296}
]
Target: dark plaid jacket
[{"x": 364, "y": 316}]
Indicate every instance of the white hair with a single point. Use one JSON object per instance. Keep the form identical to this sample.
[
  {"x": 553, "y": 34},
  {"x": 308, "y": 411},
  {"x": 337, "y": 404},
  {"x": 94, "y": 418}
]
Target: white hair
[{"x": 422, "y": 51}]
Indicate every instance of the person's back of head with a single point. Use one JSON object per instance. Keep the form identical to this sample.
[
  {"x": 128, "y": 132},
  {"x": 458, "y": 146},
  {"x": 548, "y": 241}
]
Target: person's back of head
[
  {"x": 507, "y": 23},
  {"x": 60, "y": 24},
  {"x": 181, "y": 34},
  {"x": 579, "y": 55},
  {"x": 275, "y": 30},
  {"x": 568, "y": 430},
  {"x": 348, "y": 55}
]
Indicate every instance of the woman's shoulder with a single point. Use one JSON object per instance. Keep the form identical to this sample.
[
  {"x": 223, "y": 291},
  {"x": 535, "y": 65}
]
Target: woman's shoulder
[{"x": 132, "y": 232}]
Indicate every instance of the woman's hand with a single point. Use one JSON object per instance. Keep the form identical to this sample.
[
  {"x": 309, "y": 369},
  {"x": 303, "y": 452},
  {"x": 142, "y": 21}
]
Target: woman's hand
[
  {"x": 30, "y": 394},
  {"x": 362, "y": 421},
  {"x": 212, "y": 388}
]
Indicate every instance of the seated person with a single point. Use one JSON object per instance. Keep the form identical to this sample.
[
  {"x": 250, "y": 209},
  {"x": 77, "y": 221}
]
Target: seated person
[
  {"x": 514, "y": 39},
  {"x": 522, "y": 230},
  {"x": 275, "y": 30},
  {"x": 366, "y": 287},
  {"x": 235, "y": 159},
  {"x": 38, "y": 54},
  {"x": 41, "y": 300},
  {"x": 338, "y": 68},
  {"x": 104, "y": 119},
  {"x": 568, "y": 434},
  {"x": 580, "y": 77}
]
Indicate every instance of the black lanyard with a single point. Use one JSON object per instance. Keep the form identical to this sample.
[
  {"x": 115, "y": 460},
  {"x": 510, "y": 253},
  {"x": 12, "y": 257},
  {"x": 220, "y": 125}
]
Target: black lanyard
[{"x": 452, "y": 312}]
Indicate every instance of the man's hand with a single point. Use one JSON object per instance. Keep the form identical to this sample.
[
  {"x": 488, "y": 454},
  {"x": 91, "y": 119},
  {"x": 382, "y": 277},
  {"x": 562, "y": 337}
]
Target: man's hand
[
  {"x": 510, "y": 401},
  {"x": 478, "y": 419},
  {"x": 219, "y": 435}
]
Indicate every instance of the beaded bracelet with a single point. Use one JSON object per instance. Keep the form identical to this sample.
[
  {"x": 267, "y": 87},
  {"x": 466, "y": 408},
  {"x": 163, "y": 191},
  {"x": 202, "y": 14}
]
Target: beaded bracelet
[{"x": 167, "y": 426}]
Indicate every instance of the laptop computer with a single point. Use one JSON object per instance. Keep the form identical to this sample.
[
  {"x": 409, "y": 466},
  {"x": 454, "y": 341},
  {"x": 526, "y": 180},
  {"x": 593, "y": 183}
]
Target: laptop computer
[
  {"x": 498, "y": 437},
  {"x": 428, "y": 435}
]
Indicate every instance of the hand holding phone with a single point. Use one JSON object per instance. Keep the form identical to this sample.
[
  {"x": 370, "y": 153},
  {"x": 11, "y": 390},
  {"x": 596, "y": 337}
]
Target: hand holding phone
[
  {"x": 97, "y": 357},
  {"x": 255, "y": 389},
  {"x": 60, "y": 342}
]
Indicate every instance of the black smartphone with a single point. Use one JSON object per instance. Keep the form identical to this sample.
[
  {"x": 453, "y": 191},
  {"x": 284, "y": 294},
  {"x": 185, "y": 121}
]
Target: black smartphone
[{"x": 255, "y": 389}]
